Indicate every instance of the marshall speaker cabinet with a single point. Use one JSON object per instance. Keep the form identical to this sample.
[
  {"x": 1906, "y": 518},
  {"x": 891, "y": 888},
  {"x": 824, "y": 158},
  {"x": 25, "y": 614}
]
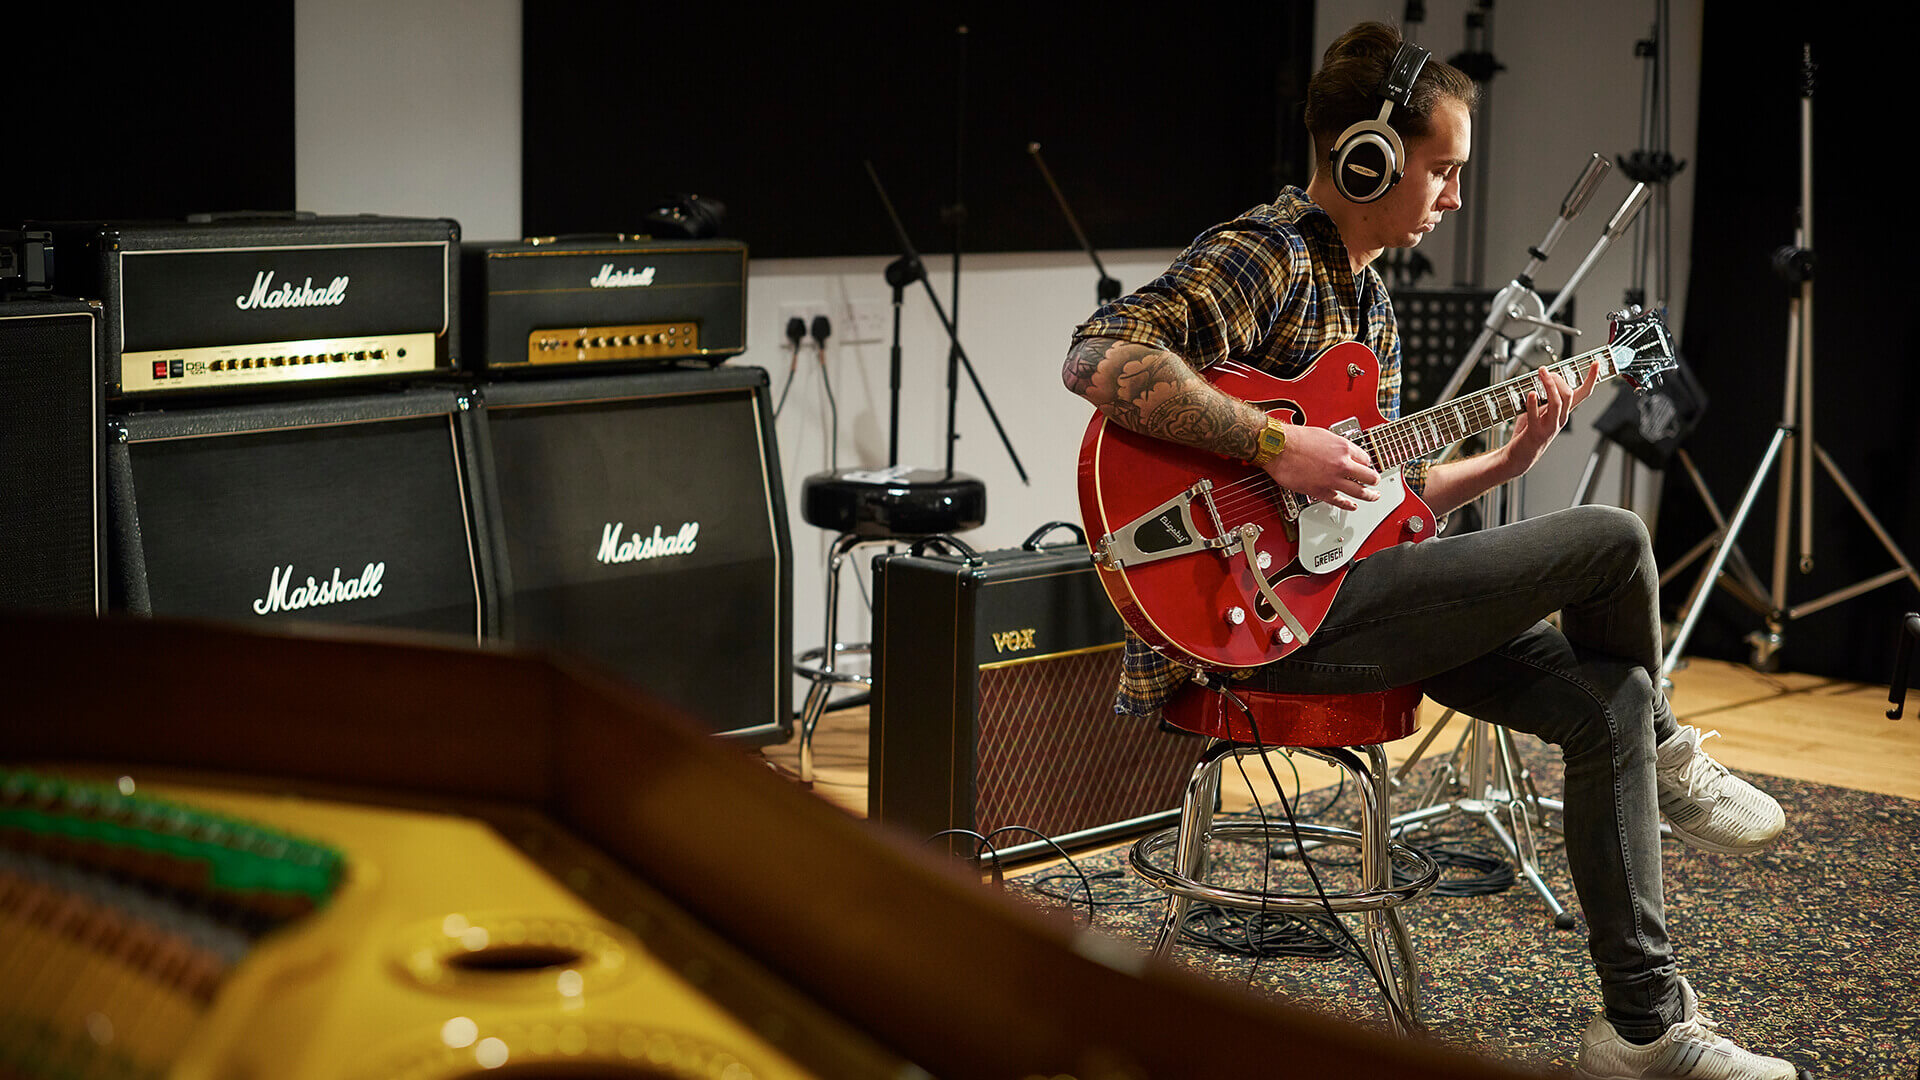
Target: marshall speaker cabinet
[
  {"x": 265, "y": 302},
  {"x": 546, "y": 305},
  {"x": 52, "y": 519},
  {"x": 994, "y": 677},
  {"x": 642, "y": 521},
  {"x": 346, "y": 510}
]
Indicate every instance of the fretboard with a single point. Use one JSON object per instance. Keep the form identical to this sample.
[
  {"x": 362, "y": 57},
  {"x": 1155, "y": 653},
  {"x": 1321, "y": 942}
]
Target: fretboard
[{"x": 1399, "y": 441}]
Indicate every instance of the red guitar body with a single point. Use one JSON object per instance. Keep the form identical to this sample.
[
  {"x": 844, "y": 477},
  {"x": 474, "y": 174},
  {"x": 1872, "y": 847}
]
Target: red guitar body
[{"x": 1192, "y": 598}]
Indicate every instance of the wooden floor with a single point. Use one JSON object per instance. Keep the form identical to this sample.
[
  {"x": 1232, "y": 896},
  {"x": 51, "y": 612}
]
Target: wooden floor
[{"x": 1797, "y": 726}]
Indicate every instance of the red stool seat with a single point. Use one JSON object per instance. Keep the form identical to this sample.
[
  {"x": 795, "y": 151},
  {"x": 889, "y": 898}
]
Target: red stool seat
[{"x": 1316, "y": 720}]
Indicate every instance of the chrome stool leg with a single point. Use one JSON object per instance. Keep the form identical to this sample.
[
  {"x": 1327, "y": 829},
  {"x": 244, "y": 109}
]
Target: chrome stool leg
[
  {"x": 821, "y": 665},
  {"x": 1195, "y": 830},
  {"x": 1376, "y": 898}
]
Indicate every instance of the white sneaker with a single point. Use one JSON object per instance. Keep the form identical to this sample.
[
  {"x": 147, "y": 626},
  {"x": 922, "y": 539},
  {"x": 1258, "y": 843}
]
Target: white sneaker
[
  {"x": 1689, "y": 1050},
  {"x": 1707, "y": 806}
]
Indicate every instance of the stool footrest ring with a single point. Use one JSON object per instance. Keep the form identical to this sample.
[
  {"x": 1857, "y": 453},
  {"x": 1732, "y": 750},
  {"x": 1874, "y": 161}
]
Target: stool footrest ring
[
  {"x": 1147, "y": 849},
  {"x": 812, "y": 664}
]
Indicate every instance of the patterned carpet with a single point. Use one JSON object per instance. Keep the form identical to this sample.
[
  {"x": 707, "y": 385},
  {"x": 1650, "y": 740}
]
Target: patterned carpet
[{"x": 1808, "y": 951}]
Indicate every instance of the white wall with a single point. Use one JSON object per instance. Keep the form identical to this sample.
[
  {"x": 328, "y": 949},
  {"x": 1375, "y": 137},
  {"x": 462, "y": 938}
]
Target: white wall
[
  {"x": 413, "y": 108},
  {"x": 409, "y": 108}
]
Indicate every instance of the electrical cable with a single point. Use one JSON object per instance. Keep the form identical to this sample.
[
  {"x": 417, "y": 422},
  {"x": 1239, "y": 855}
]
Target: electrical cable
[
  {"x": 1379, "y": 977},
  {"x": 984, "y": 843},
  {"x": 999, "y": 878},
  {"x": 1058, "y": 850},
  {"x": 796, "y": 330},
  {"x": 822, "y": 329}
]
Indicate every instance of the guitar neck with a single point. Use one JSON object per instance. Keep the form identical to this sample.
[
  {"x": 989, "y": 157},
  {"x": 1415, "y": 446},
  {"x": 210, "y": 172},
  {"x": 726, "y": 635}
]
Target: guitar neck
[{"x": 1399, "y": 441}]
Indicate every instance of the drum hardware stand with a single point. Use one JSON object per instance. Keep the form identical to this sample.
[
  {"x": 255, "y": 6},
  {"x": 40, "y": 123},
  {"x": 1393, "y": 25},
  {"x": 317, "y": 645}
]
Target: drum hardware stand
[
  {"x": 1493, "y": 780},
  {"x": 1794, "y": 263}
]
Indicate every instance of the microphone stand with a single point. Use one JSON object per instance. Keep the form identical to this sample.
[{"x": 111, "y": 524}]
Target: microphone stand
[
  {"x": 912, "y": 258},
  {"x": 1518, "y": 302},
  {"x": 901, "y": 273},
  {"x": 1107, "y": 289}
]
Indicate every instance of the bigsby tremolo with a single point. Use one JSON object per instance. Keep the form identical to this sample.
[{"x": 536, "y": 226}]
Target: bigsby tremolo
[{"x": 1168, "y": 530}]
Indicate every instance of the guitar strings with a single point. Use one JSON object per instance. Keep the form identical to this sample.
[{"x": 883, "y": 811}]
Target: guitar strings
[{"x": 1399, "y": 441}]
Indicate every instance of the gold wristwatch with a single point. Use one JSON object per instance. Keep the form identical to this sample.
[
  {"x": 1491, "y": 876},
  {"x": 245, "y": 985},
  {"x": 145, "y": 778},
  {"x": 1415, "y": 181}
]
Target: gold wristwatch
[{"x": 1273, "y": 439}]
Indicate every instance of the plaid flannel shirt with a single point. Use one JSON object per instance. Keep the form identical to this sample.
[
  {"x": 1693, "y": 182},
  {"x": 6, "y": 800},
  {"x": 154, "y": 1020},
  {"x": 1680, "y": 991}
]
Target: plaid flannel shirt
[{"x": 1271, "y": 289}]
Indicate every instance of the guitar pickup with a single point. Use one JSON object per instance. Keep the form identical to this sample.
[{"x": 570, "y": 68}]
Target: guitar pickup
[{"x": 1163, "y": 532}]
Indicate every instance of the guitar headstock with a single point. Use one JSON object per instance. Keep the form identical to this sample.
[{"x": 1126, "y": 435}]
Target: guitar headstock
[{"x": 1639, "y": 347}]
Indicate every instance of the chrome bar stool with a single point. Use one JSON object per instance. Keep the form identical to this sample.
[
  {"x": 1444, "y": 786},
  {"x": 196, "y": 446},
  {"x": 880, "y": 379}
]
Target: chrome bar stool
[
  {"x": 868, "y": 507},
  {"x": 1329, "y": 727}
]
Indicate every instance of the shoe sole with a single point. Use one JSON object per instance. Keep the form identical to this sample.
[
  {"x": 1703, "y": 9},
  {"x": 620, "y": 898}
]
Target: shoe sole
[{"x": 1700, "y": 844}]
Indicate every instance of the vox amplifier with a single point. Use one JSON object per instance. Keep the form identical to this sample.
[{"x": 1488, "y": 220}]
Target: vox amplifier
[
  {"x": 548, "y": 304},
  {"x": 994, "y": 677},
  {"x": 256, "y": 302}
]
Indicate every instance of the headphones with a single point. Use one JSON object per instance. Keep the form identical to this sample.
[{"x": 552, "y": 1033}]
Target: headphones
[{"x": 1368, "y": 158}]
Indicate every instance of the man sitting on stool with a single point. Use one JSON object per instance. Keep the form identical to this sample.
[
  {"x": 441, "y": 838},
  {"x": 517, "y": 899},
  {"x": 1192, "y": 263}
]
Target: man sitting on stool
[{"x": 1462, "y": 615}]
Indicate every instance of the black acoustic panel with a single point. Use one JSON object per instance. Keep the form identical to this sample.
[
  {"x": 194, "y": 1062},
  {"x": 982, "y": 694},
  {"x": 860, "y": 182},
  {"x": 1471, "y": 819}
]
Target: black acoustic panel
[
  {"x": 350, "y": 510},
  {"x": 51, "y": 518},
  {"x": 643, "y": 525}
]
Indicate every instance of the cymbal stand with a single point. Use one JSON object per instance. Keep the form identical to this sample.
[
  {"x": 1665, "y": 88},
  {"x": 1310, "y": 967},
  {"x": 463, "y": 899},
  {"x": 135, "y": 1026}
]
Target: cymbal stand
[
  {"x": 1795, "y": 263},
  {"x": 1483, "y": 778}
]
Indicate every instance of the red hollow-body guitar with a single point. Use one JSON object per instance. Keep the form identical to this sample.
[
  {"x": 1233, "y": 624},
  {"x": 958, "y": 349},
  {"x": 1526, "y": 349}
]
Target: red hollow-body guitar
[{"x": 1213, "y": 564}]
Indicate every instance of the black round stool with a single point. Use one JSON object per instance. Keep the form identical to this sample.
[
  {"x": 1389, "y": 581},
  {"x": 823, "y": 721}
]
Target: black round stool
[{"x": 871, "y": 506}]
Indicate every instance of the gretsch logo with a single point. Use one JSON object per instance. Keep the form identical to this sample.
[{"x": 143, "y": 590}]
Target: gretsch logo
[
  {"x": 284, "y": 595},
  {"x": 636, "y": 547},
  {"x": 1328, "y": 556},
  {"x": 609, "y": 278},
  {"x": 288, "y": 295},
  {"x": 1013, "y": 640}
]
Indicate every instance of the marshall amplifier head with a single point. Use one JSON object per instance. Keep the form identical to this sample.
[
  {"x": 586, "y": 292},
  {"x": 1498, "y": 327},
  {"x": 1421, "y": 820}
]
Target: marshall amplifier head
[
  {"x": 549, "y": 304},
  {"x": 223, "y": 304}
]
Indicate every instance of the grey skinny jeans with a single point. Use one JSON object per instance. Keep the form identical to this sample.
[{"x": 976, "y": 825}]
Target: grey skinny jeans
[{"x": 1463, "y": 616}]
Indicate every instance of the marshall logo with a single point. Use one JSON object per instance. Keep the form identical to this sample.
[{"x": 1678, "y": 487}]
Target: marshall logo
[
  {"x": 637, "y": 547},
  {"x": 288, "y": 295},
  {"x": 1328, "y": 556},
  {"x": 609, "y": 278},
  {"x": 1013, "y": 640},
  {"x": 284, "y": 595}
]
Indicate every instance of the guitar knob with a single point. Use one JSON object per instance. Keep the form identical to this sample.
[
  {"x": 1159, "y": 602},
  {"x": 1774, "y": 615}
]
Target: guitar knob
[
  {"x": 1416, "y": 525},
  {"x": 1282, "y": 636},
  {"x": 1266, "y": 560},
  {"x": 1236, "y": 615}
]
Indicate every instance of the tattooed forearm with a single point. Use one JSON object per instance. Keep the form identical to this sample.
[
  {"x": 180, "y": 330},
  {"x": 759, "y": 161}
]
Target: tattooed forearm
[{"x": 1156, "y": 393}]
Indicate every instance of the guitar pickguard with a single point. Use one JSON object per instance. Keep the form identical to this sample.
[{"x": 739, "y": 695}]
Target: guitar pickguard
[{"x": 1330, "y": 536}]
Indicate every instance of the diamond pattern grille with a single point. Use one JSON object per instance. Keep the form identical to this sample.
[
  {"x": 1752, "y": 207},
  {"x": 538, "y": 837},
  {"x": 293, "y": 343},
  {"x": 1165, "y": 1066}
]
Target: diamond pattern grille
[{"x": 1054, "y": 757}]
